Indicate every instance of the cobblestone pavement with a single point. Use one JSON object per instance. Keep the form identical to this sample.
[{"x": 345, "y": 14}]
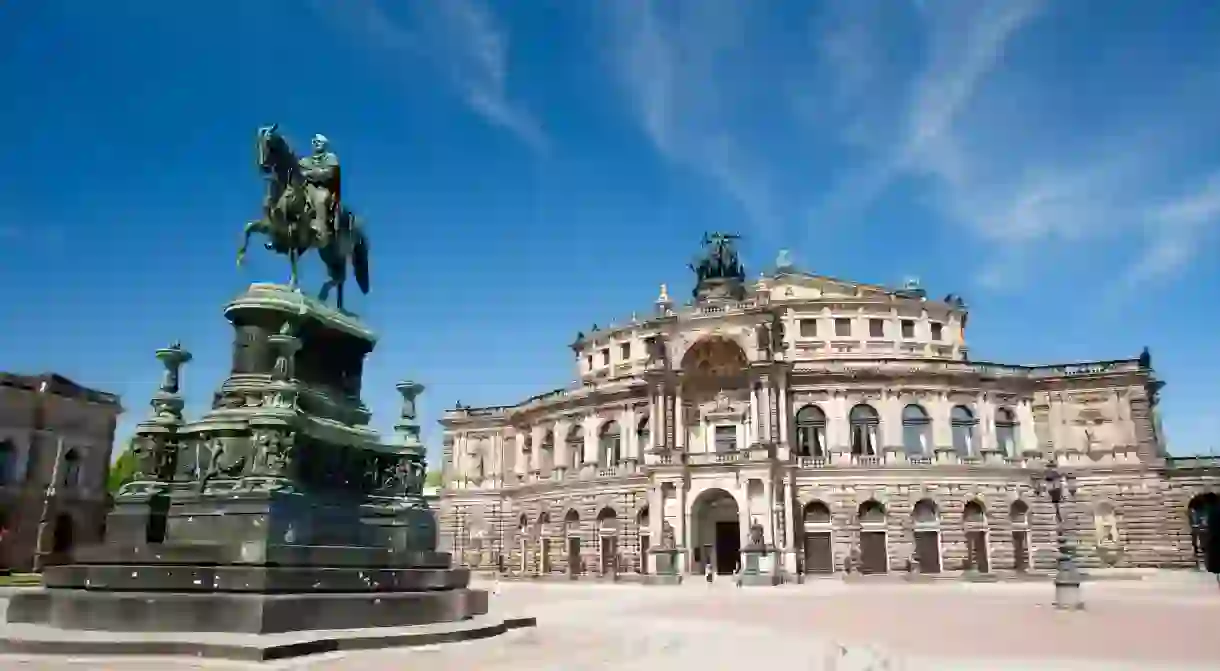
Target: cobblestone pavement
[{"x": 824, "y": 625}]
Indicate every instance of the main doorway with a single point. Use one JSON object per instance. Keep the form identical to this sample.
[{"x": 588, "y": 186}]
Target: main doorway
[
  {"x": 818, "y": 545},
  {"x": 728, "y": 547},
  {"x": 716, "y": 531}
]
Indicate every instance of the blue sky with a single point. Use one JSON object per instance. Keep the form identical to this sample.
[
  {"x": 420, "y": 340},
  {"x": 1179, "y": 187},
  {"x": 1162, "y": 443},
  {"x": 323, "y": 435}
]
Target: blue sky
[{"x": 529, "y": 168}]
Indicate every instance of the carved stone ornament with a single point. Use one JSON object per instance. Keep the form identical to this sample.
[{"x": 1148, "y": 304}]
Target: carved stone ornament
[{"x": 667, "y": 536}]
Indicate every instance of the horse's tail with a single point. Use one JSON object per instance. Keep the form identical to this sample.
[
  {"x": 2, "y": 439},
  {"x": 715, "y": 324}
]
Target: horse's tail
[{"x": 360, "y": 256}]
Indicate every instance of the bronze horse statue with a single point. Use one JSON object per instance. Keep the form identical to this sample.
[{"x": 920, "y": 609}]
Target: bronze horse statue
[{"x": 286, "y": 218}]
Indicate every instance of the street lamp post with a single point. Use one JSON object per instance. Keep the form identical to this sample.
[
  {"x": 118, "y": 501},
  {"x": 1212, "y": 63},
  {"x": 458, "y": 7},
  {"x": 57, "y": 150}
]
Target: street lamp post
[
  {"x": 44, "y": 519},
  {"x": 1067, "y": 577}
]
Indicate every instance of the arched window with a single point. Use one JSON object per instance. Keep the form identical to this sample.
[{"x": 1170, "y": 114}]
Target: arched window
[
  {"x": 1006, "y": 431},
  {"x": 609, "y": 444},
  {"x": 643, "y": 437},
  {"x": 962, "y": 421},
  {"x": 575, "y": 443},
  {"x": 1018, "y": 513},
  {"x": 974, "y": 514},
  {"x": 817, "y": 512},
  {"x": 871, "y": 512},
  {"x": 811, "y": 432},
  {"x": 915, "y": 430},
  {"x": 863, "y": 420},
  {"x": 925, "y": 513},
  {"x": 71, "y": 470},
  {"x": 546, "y": 460},
  {"x": 8, "y": 454}
]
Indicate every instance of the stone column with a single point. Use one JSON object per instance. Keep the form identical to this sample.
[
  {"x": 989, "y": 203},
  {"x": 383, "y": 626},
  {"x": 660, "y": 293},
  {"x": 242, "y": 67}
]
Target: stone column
[
  {"x": 942, "y": 432},
  {"x": 591, "y": 447},
  {"x": 1059, "y": 434},
  {"x": 679, "y": 421},
  {"x": 1027, "y": 439},
  {"x": 681, "y": 531},
  {"x": 752, "y": 425},
  {"x": 764, "y": 424},
  {"x": 785, "y": 412},
  {"x": 537, "y": 434},
  {"x": 985, "y": 434},
  {"x": 519, "y": 465},
  {"x": 562, "y": 458},
  {"x": 495, "y": 460},
  {"x": 789, "y": 527},
  {"x": 656, "y": 515},
  {"x": 630, "y": 447},
  {"x": 743, "y": 515},
  {"x": 769, "y": 509},
  {"x": 891, "y": 421}
]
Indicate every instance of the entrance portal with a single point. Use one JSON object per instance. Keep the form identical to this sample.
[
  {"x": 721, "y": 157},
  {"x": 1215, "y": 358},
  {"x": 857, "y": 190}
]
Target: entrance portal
[
  {"x": 819, "y": 545},
  {"x": 874, "y": 546},
  {"x": 1203, "y": 513},
  {"x": 716, "y": 531},
  {"x": 728, "y": 547}
]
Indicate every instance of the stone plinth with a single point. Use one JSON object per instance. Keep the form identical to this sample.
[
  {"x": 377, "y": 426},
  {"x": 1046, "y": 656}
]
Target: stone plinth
[
  {"x": 279, "y": 510},
  {"x": 760, "y": 566},
  {"x": 669, "y": 566}
]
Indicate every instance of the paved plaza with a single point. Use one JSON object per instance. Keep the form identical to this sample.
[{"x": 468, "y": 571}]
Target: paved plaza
[{"x": 1164, "y": 623}]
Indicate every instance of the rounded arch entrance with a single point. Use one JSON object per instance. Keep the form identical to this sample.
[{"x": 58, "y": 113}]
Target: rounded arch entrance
[
  {"x": 714, "y": 397},
  {"x": 925, "y": 527},
  {"x": 1203, "y": 516},
  {"x": 571, "y": 535},
  {"x": 715, "y": 531},
  {"x": 542, "y": 535},
  {"x": 872, "y": 553},
  {"x": 978, "y": 547},
  {"x": 523, "y": 549},
  {"x": 645, "y": 534},
  {"x": 1018, "y": 518},
  {"x": 818, "y": 534},
  {"x": 715, "y": 357},
  {"x": 607, "y": 534}
]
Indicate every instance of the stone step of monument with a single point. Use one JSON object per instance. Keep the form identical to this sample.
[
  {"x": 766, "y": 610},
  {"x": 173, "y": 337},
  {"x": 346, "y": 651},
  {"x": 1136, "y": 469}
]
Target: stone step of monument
[
  {"x": 203, "y": 554},
  {"x": 41, "y": 639},
  {"x": 247, "y": 613},
  {"x": 261, "y": 579}
]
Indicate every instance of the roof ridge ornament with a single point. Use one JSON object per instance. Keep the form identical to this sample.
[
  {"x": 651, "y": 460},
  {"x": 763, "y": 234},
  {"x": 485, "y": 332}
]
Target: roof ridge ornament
[{"x": 784, "y": 262}]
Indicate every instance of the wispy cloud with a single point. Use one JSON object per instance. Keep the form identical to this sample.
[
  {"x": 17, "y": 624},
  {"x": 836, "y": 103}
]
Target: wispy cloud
[
  {"x": 1024, "y": 189},
  {"x": 462, "y": 38},
  {"x": 669, "y": 59},
  {"x": 1176, "y": 231}
]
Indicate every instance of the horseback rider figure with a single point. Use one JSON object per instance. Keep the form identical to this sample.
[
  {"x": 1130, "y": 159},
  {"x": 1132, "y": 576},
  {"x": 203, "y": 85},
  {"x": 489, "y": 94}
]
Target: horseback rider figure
[{"x": 322, "y": 186}]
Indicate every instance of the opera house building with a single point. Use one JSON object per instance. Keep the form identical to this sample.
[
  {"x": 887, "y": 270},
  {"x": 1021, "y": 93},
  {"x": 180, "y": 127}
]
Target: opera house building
[{"x": 844, "y": 427}]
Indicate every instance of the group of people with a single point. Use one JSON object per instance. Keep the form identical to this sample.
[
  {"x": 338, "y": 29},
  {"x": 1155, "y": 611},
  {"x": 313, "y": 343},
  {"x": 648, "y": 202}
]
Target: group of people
[{"x": 709, "y": 572}]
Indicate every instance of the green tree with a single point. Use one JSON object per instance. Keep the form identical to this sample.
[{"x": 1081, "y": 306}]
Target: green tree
[
  {"x": 121, "y": 471},
  {"x": 432, "y": 479}
]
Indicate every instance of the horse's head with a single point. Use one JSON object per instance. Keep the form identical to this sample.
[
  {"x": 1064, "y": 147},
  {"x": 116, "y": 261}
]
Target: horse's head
[{"x": 271, "y": 148}]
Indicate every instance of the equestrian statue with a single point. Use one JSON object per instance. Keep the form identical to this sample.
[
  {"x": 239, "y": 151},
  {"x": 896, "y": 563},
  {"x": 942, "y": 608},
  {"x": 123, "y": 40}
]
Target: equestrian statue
[{"x": 303, "y": 210}]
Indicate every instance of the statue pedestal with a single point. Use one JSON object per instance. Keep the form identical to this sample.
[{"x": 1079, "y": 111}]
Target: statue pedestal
[
  {"x": 760, "y": 566},
  {"x": 669, "y": 566},
  {"x": 280, "y": 510}
]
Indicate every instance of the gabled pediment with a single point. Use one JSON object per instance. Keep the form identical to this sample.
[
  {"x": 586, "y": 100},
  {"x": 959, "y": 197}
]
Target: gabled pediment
[{"x": 804, "y": 286}]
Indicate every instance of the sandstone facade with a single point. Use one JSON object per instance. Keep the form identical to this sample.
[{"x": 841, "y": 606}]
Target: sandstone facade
[{"x": 845, "y": 419}]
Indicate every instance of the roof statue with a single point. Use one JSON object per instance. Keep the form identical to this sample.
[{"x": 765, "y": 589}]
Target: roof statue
[
  {"x": 302, "y": 210},
  {"x": 719, "y": 273},
  {"x": 784, "y": 263}
]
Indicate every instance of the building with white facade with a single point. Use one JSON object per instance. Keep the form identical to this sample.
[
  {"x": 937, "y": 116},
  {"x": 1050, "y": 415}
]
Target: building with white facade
[{"x": 846, "y": 419}]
